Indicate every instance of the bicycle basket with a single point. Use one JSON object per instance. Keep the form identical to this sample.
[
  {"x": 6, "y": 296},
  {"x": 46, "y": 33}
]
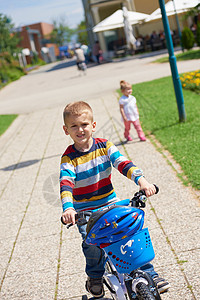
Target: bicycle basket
[{"x": 132, "y": 252}]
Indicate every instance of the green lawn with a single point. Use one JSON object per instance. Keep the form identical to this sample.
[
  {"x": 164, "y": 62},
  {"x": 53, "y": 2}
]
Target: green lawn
[
  {"x": 186, "y": 55},
  {"x": 159, "y": 116},
  {"x": 5, "y": 122}
]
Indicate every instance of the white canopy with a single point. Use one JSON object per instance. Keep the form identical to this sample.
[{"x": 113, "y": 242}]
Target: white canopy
[
  {"x": 180, "y": 5},
  {"x": 116, "y": 20}
]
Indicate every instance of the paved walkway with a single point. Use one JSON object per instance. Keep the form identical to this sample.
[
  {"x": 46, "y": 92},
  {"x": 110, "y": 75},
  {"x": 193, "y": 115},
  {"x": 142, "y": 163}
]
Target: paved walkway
[{"x": 39, "y": 259}]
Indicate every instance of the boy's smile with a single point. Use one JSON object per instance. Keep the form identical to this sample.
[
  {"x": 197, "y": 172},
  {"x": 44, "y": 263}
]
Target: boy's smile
[{"x": 80, "y": 129}]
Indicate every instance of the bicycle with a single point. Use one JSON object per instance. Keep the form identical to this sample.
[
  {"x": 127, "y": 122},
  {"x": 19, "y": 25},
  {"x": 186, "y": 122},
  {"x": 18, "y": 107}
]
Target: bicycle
[
  {"x": 82, "y": 67},
  {"x": 126, "y": 251}
]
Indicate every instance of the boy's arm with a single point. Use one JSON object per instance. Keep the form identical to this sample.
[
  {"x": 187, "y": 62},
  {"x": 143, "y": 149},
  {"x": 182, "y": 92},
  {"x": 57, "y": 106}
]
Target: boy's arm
[
  {"x": 68, "y": 216},
  {"x": 128, "y": 169},
  {"x": 122, "y": 164},
  {"x": 149, "y": 188},
  {"x": 67, "y": 182}
]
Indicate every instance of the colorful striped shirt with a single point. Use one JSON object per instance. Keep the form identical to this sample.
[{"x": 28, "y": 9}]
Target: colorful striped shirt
[{"x": 85, "y": 177}]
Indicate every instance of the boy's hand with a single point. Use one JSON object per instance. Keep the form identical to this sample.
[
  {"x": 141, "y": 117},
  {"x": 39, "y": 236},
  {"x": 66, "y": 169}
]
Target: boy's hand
[
  {"x": 69, "y": 216},
  {"x": 149, "y": 188}
]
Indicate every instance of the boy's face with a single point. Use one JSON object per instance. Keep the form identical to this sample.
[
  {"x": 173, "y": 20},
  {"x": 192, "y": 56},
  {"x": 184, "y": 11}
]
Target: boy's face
[
  {"x": 127, "y": 91},
  {"x": 80, "y": 129}
]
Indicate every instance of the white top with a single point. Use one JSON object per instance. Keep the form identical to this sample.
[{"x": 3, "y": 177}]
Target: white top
[
  {"x": 130, "y": 107},
  {"x": 79, "y": 55}
]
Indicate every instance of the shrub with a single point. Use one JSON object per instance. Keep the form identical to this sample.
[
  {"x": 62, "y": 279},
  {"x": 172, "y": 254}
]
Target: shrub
[
  {"x": 9, "y": 69},
  {"x": 3, "y": 77},
  {"x": 198, "y": 34},
  {"x": 187, "y": 38}
]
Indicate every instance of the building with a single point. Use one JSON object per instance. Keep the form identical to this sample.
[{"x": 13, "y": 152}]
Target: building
[
  {"x": 98, "y": 10},
  {"x": 35, "y": 37}
]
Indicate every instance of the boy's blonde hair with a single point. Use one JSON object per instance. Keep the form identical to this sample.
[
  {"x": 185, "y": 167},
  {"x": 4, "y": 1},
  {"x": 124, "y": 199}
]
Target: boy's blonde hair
[
  {"x": 124, "y": 85},
  {"x": 76, "y": 109}
]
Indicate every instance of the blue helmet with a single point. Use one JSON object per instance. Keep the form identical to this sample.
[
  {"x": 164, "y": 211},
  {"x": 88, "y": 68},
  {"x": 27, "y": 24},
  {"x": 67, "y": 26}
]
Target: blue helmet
[{"x": 111, "y": 224}]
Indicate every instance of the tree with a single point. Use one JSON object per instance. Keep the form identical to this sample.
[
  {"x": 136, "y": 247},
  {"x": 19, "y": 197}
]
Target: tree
[
  {"x": 82, "y": 36},
  {"x": 198, "y": 34},
  {"x": 61, "y": 33},
  {"x": 8, "y": 38},
  {"x": 187, "y": 38}
]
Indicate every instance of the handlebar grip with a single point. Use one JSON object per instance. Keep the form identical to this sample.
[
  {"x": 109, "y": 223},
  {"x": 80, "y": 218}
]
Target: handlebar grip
[
  {"x": 61, "y": 219},
  {"x": 68, "y": 225},
  {"x": 157, "y": 188}
]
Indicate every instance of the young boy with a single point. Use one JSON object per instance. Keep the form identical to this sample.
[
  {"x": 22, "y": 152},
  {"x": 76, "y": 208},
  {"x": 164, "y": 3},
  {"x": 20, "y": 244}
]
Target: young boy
[{"x": 85, "y": 182}]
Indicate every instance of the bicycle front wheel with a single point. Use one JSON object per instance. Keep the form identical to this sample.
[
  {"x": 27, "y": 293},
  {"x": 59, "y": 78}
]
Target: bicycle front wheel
[{"x": 143, "y": 292}]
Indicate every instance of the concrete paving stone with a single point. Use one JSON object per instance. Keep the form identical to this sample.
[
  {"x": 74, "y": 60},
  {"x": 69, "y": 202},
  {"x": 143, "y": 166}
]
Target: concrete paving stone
[
  {"x": 46, "y": 197},
  {"x": 171, "y": 215},
  {"x": 10, "y": 160},
  {"x": 3, "y": 266},
  {"x": 5, "y": 254},
  {"x": 70, "y": 234},
  {"x": 150, "y": 220},
  {"x": 175, "y": 277},
  {"x": 34, "y": 254},
  {"x": 188, "y": 260},
  {"x": 35, "y": 285},
  {"x": 185, "y": 241},
  {"x": 180, "y": 196},
  {"x": 38, "y": 215},
  {"x": 72, "y": 258},
  {"x": 178, "y": 222},
  {"x": 9, "y": 168},
  {"x": 27, "y": 167},
  {"x": 47, "y": 201},
  {"x": 178, "y": 293},
  {"x": 163, "y": 254},
  {"x": 71, "y": 286},
  {"x": 53, "y": 170},
  {"x": 9, "y": 208},
  {"x": 39, "y": 231},
  {"x": 15, "y": 183},
  {"x": 9, "y": 226}
]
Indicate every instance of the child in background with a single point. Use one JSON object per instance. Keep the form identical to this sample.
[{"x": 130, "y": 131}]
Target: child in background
[
  {"x": 129, "y": 111},
  {"x": 85, "y": 184}
]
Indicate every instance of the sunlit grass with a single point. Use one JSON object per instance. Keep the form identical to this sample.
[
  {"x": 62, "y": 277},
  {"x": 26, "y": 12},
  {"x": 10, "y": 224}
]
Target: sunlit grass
[
  {"x": 5, "y": 122},
  {"x": 190, "y": 54}
]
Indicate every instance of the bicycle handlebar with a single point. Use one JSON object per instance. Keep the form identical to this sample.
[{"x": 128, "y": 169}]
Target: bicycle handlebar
[
  {"x": 139, "y": 200},
  {"x": 79, "y": 218}
]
